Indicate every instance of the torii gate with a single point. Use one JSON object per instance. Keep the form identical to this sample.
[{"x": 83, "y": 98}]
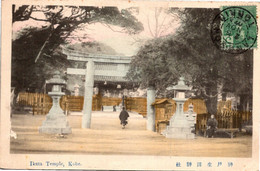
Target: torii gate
[{"x": 100, "y": 67}]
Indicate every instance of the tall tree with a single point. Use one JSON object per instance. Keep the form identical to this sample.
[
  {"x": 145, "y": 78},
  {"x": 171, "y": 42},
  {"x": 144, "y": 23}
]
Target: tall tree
[
  {"x": 191, "y": 53},
  {"x": 36, "y": 50},
  {"x": 212, "y": 70}
]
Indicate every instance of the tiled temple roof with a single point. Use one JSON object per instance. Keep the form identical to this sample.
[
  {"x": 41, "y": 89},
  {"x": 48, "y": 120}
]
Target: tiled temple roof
[
  {"x": 85, "y": 56},
  {"x": 111, "y": 68}
]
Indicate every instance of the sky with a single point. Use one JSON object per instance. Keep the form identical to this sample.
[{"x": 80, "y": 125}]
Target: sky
[{"x": 123, "y": 43}]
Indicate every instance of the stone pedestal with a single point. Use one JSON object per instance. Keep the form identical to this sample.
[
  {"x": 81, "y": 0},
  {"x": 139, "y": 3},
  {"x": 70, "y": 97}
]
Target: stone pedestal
[
  {"x": 180, "y": 127},
  {"x": 55, "y": 122}
]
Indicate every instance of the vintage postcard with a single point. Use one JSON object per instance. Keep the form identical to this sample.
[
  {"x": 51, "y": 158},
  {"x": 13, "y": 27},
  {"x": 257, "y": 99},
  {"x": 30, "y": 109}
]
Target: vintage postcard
[{"x": 130, "y": 85}]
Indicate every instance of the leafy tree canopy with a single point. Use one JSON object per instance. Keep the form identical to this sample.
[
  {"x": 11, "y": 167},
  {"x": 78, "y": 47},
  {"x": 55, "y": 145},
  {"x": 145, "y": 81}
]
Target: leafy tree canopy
[
  {"x": 191, "y": 53},
  {"x": 36, "y": 51}
]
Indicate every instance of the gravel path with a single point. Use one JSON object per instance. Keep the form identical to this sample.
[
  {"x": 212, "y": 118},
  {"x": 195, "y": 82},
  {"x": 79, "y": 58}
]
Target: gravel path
[{"x": 107, "y": 137}]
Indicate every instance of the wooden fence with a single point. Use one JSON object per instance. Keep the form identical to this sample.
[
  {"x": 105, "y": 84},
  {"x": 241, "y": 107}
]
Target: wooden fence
[
  {"x": 233, "y": 119},
  {"x": 224, "y": 105},
  {"x": 41, "y": 104},
  {"x": 72, "y": 103},
  {"x": 110, "y": 101},
  {"x": 227, "y": 119},
  {"x": 136, "y": 104}
]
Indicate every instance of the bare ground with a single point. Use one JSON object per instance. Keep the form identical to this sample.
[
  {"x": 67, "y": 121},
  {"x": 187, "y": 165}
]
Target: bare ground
[{"x": 107, "y": 137}]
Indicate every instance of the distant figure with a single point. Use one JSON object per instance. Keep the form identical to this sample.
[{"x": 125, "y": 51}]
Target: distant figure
[
  {"x": 123, "y": 117},
  {"x": 211, "y": 126},
  {"x": 114, "y": 108}
]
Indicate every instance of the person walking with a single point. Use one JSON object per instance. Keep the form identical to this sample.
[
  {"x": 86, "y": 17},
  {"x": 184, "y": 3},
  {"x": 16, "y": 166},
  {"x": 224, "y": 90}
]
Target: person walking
[
  {"x": 123, "y": 117},
  {"x": 211, "y": 126}
]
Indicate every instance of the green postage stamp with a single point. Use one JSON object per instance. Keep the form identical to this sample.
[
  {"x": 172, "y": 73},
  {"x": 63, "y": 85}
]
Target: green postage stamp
[{"x": 238, "y": 27}]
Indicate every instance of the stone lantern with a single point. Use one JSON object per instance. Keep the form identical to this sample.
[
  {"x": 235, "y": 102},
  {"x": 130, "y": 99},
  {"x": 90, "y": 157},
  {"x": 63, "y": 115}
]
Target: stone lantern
[
  {"x": 179, "y": 127},
  {"x": 55, "y": 122}
]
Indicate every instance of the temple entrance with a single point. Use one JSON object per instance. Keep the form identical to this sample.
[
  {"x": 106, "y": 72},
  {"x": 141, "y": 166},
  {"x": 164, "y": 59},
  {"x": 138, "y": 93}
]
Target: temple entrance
[{"x": 105, "y": 85}]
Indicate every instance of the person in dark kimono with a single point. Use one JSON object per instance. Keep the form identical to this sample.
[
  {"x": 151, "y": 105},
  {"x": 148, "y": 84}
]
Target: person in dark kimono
[
  {"x": 212, "y": 125},
  {"x": 123, "y": 117}
]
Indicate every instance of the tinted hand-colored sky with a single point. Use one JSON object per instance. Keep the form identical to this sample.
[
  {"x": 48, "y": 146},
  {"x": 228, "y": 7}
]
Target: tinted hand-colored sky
[{"x": 123, "y": 43}]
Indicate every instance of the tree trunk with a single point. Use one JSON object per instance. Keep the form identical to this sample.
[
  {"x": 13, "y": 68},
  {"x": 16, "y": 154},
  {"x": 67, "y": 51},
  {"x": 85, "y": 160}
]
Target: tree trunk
[
  {"x": 244, "y": 101},
  {"x": 211, "y": 104},
  {"x": 212, "y": 98}
]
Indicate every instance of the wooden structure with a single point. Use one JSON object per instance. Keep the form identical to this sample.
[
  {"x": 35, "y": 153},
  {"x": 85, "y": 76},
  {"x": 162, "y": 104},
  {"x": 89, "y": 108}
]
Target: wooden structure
[
  {"x": 164, "y": 111},
  {"x": 136, "y": 104},
  {"x": 40, "y": 103},
  {"x": 199, "y": 106}
]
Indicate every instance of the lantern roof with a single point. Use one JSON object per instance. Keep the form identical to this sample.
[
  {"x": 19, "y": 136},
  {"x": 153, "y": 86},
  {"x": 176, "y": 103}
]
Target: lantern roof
[
  {"x": 161, "y": 101},
  {"x": 56, "y": 79},
  {"x": 181, "y": 86}
]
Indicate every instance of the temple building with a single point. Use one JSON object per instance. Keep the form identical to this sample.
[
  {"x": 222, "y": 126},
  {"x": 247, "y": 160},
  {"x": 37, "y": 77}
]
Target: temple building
[
  {"x": 110, "y": 71},
  {"x": 103, "y": 73}
]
